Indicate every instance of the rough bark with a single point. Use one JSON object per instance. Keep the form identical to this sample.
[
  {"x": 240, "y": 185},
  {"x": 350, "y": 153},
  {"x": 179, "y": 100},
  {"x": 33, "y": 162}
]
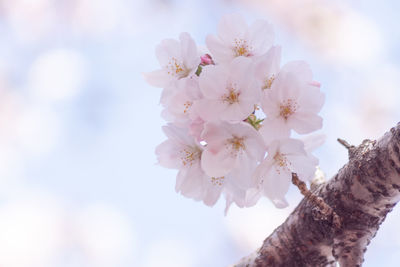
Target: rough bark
[{"x": 362, "y": 193}]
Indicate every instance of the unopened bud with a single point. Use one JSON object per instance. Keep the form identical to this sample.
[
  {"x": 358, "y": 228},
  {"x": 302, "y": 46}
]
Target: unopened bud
[{"x": 206, "y": 59}]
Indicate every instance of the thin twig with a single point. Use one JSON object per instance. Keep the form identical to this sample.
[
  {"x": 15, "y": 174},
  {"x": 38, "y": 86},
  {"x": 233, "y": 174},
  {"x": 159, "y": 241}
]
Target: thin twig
[
  {"x": 325, "y": 210},
  {"x": 345, "y": 143}
]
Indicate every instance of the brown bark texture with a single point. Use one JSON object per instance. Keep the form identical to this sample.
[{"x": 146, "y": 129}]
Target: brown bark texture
[{"x": 362, "y": 193}]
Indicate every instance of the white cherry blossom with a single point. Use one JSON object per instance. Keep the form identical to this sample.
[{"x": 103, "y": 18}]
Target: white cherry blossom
[
  {"x": 178, "y": 59},
  {"x": 293, "y": 102},
  {"x": 235, "y": 38},
  {"x": 267, "y": 67},
  {"x": 243, "y": 198},
  {"x": 233, "y": 149},
  {"x": 179, "y": 101},
  {"x": 182, "y": 152},
  {"x": 230, "y": 91},
  {"x": 217, "y": 135},
  {"x": 285, "y": 156}
]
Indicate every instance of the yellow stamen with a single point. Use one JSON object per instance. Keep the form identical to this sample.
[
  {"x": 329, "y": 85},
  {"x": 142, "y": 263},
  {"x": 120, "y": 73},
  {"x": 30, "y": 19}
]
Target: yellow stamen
[
  {"x": 287, "y": 108},
  {"x": 268, "y": 82},
  {"x": 217, "y": 180},
  {"x": 189, "y": 155},
  {"x": 176, "y": 68},
  {"x": 236, "y": 143},
  {"x": 187, "y": 105},
  {"x": 231, "y": 97},
  {"x": 282, "y": 162},
  {"x": 241, "y": 48}
]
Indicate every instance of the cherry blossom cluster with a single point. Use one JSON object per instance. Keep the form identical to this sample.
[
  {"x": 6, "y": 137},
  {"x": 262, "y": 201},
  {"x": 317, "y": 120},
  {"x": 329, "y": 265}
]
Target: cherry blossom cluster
[{"x": 231, "y": 110}]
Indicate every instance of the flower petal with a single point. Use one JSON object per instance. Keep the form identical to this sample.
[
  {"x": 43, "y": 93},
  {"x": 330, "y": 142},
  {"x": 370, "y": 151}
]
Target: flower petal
[{"x": 157, "y": 78}]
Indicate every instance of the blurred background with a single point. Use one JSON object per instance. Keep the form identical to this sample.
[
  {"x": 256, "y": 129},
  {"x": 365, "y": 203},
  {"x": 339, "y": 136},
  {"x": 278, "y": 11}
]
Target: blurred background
[{"x": 79, "y": 183}]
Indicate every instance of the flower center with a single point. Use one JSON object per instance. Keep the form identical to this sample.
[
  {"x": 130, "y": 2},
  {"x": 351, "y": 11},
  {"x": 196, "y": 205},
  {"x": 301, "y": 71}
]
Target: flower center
[
  {"x": 187, "y": 106},
  {"x": 268, "y": 82},
  {"x": 287, "y": 108},
  {"x": 281, "y": 161},
  {"x": 231, "y": 97},
  {"x": 236, "y": 144},
  {"x": 189, "y": 154},
  {"x": 176, "y": 68},
  {"x": 241, "y": 48},
  {"x": 217, "y": 180}
]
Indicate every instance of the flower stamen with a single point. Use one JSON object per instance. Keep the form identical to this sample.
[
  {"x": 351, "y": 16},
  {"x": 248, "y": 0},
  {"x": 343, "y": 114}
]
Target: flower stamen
[
  {"x": 175, "y": 68},
  {"x": 287, "y": 108},
  {"x": 236, "y": 144},
  {"x": 232, "y": 97},
  {"x": 187, "y": 106},
  {"x": 281, "y": 161},
  {"x": 268, "y": 82},
  {"x": 189, "y": 155},
  {"x": 217, "y": 180},
  {"x": 241, "y": 48}
]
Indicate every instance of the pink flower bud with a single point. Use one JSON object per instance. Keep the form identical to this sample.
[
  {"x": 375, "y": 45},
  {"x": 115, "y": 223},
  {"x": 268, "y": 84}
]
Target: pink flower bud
[{"x": 206, "y": 60}]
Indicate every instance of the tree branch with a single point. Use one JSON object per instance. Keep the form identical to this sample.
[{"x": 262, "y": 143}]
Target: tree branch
[{"x": 362, "y": 193}]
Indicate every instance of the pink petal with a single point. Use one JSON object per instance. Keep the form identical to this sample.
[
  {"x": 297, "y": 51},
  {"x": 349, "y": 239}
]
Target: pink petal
[
  {"x": 303, "y": 165},
  {"x": 208, "y": 109},
  {"x": 274, "y": 128},
  {"x": 269, "y": 64},
  {"x": 167, "y": 155},
  {"x": 230, "y": 27},
  {"x": 311, "y": 99},
  {"x": 276, "y": 185},
  {"x": 313, "y": 141},
  {"x": 235, "y": 112},
  {"x": 217, "y": 164},
  {"x": 220, "y": 51},
  {"x": 189, "y": 51},
  {"x": 167, "y": 49},
  {"x": 157, "y": 78},
  {"x": 300, "y": 69},
  {"x": 304, "y": 122},
  {"x": 213, "y": 81},
  {"x": 261, "y": 36},
  {"x": 242, "y": 174}
]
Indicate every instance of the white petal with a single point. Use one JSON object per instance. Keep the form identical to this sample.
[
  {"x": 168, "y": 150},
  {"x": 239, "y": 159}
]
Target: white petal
[
  {"x": 167, "y": 155},
  {"x": 240, "y": 69},
  {"x": 235, "y": 112},
  {"x": 208, "y": 109},
  {"x": 300, "y": 69},
  {"x": 230, "y": 27},
  {"x": 255, "y": 147},
  {"x": 303, "y": 165},
  {"x": 191, "y": 182},
  {"x": 242, "y": 174},
  {"x": 221, "y": 52},
  {"x": 215, "y": 134},
  {"x": 291, "y": 146},
  {"x": 167, "y": 49},
  {"x": 157, "y": 78},
  {"x": 313, "y": 141},
  {"x": 212, "y": 191},
  {"x": 280, "y": 203},
  {"x": 213, "y": 81},
  {"x": 268, "y": 64},
  {"x": 304, "y": 122},
  {"x": 276, "y": 185},
  {"x": 178, "y": 135},
  {"x": 311, "y": 99},
  {"x": 274, "y": 128},
  {"x": 189, "y": 51},
  {"x": 261, "y": 36},
  {"x": 217, "y": 164}
]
